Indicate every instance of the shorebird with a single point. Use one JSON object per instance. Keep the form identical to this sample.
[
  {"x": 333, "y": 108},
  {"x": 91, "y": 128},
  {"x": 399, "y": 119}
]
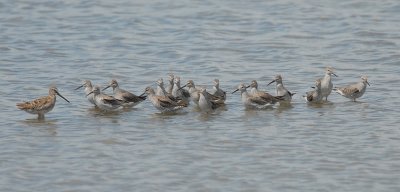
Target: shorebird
[
  {"x": 205, "y": 103},
  {"x": 253, "y": 102},
  {"x": 88, "y": 88},
  {"x": 218, "y": 92},
  {"x": 353, "y": 91},
  {"x": 41, "y": 105},
  {"x": 105, "y": 102},
  {"x": 314, "y": 96},
  {"x": 193, "y": 91},
  {"x": 263, "y": 95},
  {"x": 163, "y": 103},
  {"x": 162, "y": 92},
  {"x": 177, "y": 91},
  {"x": 160, "y": 87},
  {"x": 326, "y": 83},
  {"x": 128, "y": 99},
  {"x": 171, "y": 83},
  {"x": 281, "y": 90}
]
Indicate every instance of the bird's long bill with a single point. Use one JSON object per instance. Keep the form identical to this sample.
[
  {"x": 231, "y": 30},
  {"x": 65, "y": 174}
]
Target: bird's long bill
[
  {"x": 235, "y": 91},
  {"x": 368, "y": 83},
  {"x": 143, "y": 94},
  {"x": 79, "y": 87},
  {"x": 106, "y": 87},
  {"x": 182, "y": 87},
  {"x": 62, "y": 96},
  {"x": 335, "y": 75},
  {"x": 89, "y": 93},
  {"x": 271, "y": 82}
]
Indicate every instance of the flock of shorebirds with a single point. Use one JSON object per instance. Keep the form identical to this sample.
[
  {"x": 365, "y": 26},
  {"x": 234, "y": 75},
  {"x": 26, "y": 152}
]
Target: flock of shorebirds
[{"x": 175, "y": 96}]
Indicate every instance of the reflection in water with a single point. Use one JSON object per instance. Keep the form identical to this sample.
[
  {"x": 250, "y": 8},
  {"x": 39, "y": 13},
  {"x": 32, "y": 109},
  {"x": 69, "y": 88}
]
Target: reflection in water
[
  {"x": 283, "y": 107},
  {"x": 255, "y": 114},
  {"x": 39, "y": 122},
  {"x": 207, "y": 116},
  {"x": 49, "y": 126},
  {"x": 171, "y": 114},
  {"x": 130, "y": 109},
  {"x": 160, "y": 117},
  {"x": 94, "y": 111},
  {"x": 325, "y": 104},
  {"x": 250, "y": 114},
  {"x": 315, "y": 105},
  {"x": 114, "y": 116}
]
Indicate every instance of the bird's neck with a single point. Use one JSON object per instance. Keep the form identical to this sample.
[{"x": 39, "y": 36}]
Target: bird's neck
[{"x": 244, "y": 94}]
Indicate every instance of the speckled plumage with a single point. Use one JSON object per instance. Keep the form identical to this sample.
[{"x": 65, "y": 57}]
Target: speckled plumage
[
  {"x": 314, "y": 96},
  {"x": 281, "y": 91},
  {"x": 218, "y": 92},
  {"x": 163, "y": 103},
  {"x": 206, "y": 103},
  {"x": 255, "y": 93},
  {"x": 128, "y": 99},
  {"x": 353, "y": 91},
  {"x": 41, "y": 105},
  {"x": 105, "y": 102},
  {"x": 251, "y": 101}
]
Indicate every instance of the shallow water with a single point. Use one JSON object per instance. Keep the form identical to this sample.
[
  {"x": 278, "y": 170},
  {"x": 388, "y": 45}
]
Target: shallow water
[{"x": 337, "y": 146}]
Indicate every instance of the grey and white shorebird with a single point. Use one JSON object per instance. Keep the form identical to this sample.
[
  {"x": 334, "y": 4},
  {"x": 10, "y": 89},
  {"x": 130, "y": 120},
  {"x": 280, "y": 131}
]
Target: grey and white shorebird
[
  {"x": 160, "y": 87},
  {"x": 88, "y": 88},
  {"x": 177, "y": 91},
  {"x": 41, "y": 105},
  {"x": 251, "y": 101},
  {"x": 262, "y": 94},
  {"x": 162, "y": 92},
  {"x": 206, "y": 104},
  {"x": 281, "y": 91},
  {"x": 171, "y": 83},
  {"x": 314, "y": 96},
  {"x": 218, "y": 92},
  {"x": 353, "y": 91},
  {"x": 105, "y": 102},
  {"x": 163, "y": 103},
  {"x": 193, "y": 91},
  {"x": 326, "y": 83},
  {"x": 128, "y": 99}
]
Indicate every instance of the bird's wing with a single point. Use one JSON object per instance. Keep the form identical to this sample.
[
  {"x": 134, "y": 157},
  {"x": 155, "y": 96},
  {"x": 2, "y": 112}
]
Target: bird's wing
[
  {"x": 266, "y": 96},
  {"x": 185, "y": 93},
  {"x": 36, "y": 104},
  {"x": 130, "y": 97},
  {"x": 166, "y": 102},
  {"x": 258, "y": 100},
  {"x": 111, "y": 100},
  {"x": 216, "y": 104}
]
